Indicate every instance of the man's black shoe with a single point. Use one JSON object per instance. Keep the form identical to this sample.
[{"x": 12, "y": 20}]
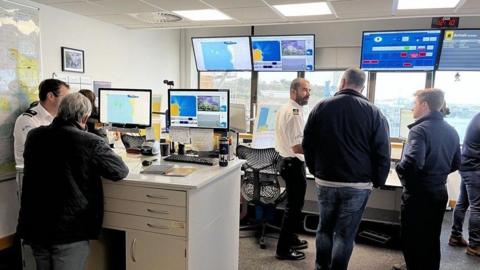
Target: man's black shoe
[
  {"x": 299, "y": 244},
  {"x": 292, "y": 255}
]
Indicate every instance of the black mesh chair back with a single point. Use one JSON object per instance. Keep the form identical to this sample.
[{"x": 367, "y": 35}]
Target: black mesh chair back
[{"x": 260, "y": 183}]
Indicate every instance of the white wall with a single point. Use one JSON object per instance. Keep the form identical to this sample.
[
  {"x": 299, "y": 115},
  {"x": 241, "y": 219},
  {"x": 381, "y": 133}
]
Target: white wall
[{"x": 127, "y": 58}]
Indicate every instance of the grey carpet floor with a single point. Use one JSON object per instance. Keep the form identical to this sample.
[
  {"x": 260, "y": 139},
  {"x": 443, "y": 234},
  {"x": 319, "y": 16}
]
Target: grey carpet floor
[{"x": 364, "y": 257}]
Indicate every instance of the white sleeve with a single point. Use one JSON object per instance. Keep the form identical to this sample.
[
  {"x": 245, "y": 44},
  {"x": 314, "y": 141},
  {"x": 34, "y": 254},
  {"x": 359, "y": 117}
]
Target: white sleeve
[
  {"x": 294, "y": 129},
  {"x": 22, "y": 126}
]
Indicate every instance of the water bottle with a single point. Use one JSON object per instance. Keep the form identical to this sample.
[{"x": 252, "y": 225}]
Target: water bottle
[{"x": 223, "y": 158}]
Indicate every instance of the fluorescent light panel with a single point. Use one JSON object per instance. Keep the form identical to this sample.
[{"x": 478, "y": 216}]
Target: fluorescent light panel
[
  {"x": 203, "y": 15},
  {"x": 427, "y": 4},
  {"x": 304, "y": 9}
]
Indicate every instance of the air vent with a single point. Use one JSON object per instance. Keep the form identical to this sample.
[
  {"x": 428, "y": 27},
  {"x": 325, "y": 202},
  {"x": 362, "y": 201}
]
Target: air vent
[{"x": 156, "y": 17}]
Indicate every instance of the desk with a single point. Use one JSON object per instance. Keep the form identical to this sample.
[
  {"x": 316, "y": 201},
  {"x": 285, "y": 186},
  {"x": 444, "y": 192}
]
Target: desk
[{"x": 173, "y": 223}]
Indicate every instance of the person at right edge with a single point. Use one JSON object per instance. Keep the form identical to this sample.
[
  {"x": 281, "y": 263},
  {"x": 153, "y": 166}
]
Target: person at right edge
[
  {"x": 469, "y": 192},
  {"x": 431, "y": 153},
  {"x": 347, "y": 148}
]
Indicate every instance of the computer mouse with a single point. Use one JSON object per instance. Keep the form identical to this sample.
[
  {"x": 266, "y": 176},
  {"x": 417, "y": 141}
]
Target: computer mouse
[{"x": 146, "y": 163}]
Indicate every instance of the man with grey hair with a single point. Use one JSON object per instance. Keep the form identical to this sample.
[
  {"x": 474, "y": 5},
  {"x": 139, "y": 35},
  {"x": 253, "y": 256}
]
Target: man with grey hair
[
  {"x": 288, "y": 140},
  {"x": 62, "y": 195},
  {"x": 347, "y": 148}
]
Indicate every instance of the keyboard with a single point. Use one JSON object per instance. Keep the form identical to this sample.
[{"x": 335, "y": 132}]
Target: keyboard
[{"x": 192, "y": 159}]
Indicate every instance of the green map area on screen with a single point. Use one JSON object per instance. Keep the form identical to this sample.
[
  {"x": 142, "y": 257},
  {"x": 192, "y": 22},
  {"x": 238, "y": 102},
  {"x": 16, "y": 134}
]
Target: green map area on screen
[{"x": 19, "y": 73}]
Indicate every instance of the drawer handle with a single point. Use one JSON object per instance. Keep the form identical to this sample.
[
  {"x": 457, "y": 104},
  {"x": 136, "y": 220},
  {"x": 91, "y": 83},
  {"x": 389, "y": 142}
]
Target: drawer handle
[
  {"x": 157, "y": 197},
  {"x": 163, "y": 227},
  {"x": 134, "y": 259},
  {"x": 165, "y": 212}
]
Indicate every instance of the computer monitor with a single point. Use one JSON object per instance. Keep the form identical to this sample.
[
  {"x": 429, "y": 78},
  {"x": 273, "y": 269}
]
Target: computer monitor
[
  {"x": 128, "y": 108},
  {"x": 238, "y": 117},
  {"x": 460, "y": 50},
  {"x": 199, "y": 108},
  {"x": 283, "y": 53},
  {"x": 222, "y": 53},
  {"x": 405, "y": 50}
]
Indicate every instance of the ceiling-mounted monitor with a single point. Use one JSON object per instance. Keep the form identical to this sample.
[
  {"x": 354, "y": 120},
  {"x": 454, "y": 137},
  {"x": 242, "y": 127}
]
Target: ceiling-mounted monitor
[
  {"x": 460, "y": 50},
  {"x": 405, "y": 50},
  {"x": 222, "y": 53},
  {"x": 283, "y": 53}
]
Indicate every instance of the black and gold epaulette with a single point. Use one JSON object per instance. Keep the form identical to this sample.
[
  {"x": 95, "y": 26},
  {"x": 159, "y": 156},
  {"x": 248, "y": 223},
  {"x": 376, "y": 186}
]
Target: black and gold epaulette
[{"x": 30, "y": 113}]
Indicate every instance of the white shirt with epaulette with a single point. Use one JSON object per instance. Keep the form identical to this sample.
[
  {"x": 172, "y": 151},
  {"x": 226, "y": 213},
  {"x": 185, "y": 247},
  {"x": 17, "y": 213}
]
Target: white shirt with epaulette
[
  {"x": 289, "y": 127},
  {"x": 32, "y": 118}
]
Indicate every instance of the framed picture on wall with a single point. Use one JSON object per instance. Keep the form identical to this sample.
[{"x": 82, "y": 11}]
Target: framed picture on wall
[{"x": 73, "y": 60}]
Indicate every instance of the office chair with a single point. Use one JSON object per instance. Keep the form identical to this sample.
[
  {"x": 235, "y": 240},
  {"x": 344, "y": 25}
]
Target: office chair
[{"x": 260, "y": 185}]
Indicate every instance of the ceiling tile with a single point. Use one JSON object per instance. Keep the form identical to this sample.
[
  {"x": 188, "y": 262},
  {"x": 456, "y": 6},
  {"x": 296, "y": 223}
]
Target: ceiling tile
[
  {"x": 301, "y": 19},
  {"x": 117, "y": 19},
  {"x": 84, "y": 8},
  {"x": 220, "y": 4},
  {"x": 126, "y": 6},
  {"x": 252, "y": 14},
  {"x": 285, "y": 2},
  {"x": 178, "y": 4},
  {"x": 49, "y": 2},
  {"x": 364, "y": 8}
]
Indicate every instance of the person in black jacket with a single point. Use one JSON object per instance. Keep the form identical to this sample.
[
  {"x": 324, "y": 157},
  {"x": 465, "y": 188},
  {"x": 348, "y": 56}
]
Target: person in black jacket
[
  {"x": 62, "y": 195},
  {"x": 431, "y": 153},
  {"x": 347, "y": 148}
]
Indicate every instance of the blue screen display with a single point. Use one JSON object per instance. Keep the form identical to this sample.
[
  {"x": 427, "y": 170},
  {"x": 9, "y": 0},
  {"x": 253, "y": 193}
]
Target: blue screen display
[
  {"x": 460, "y": 50},
  {"x": 400, "y": 50}
]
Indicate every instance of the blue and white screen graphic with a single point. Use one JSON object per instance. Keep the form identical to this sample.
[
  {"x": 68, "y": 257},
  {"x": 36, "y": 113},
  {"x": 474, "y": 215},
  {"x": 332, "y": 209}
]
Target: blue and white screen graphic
[
  {"x": 400, "y": 50},
  {"x": 222, "y": 53},
  {"x": 460, "y": 50},
  {"x": 125, "y": 107},
  {"x": 283, "y": 53}
]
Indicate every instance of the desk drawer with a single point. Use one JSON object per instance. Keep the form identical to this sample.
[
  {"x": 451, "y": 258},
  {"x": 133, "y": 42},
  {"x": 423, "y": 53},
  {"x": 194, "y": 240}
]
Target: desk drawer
[
  {"x": 144, "y": 224},
  {"x": 145, "y": 209},
  {"x": 150, "y": 195}
]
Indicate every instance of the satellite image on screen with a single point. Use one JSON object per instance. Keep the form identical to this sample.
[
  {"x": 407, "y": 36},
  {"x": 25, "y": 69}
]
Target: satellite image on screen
[
  {"x": 217, "y": 55},
  {"x": 183, "y": 106},
  {"x": 121, "y": 108},
  {"x": 266, "y": 51},
  {"x": 293, "y": 47},
  {"x": 208, "y": 103}
]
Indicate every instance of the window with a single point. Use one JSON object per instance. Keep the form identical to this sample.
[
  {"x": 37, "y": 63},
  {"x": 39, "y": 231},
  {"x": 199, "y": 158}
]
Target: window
[
  {"x": 462, "y": 97},
  {"x": 393, "y": 92},
  {"x": 324, "y": 84},
  {"x": 274, "y": 87}
]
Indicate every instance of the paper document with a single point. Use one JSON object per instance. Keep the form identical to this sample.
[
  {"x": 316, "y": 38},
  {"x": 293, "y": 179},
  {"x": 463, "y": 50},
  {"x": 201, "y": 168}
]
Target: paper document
[
  {"x": 169, "y": 170},
  {"x": 181, "y": 135},
  {"x": 202, "y": 139}
]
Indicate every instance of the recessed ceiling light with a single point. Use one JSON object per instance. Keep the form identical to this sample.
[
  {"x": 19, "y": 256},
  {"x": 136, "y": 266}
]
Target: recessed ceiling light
[
  {"x": 304, "y": 9},
  {"x": 427, "y": 4},
  {"x": 203, "y": 15}
]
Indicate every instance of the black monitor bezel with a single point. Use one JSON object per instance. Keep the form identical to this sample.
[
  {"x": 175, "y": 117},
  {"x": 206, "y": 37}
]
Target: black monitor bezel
[
  {"x": 292, "y": 35},
  {"x": 126, "y": 125},
  {"x": 403, "y": 70},
  {"x": 200, "y": 90},
  {"x": 441, "y": 50},
  {"x": 224, "y": 70}
]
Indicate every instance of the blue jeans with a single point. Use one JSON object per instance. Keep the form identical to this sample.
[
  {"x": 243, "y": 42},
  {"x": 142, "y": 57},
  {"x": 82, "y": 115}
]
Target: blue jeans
[
  {"x": 469, "y": 196},
  {"x": 341, "y": 211},
  {"x": 71, "y": 256}
]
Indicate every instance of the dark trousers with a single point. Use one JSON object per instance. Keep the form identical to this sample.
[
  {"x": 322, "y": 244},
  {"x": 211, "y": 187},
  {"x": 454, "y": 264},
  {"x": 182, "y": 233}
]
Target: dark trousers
[
  {"x": 293, "y": 172},
  {"x": 422, "y": 214},
  {"x": 71, "y": 256}
]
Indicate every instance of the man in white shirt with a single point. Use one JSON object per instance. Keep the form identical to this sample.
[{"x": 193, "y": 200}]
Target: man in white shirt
[
  {"x": 288, "y": 142},
  {"x": 50, "y": 93}
]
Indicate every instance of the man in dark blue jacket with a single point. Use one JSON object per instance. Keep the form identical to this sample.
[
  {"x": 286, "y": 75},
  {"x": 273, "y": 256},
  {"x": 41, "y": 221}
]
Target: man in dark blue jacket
[
  {"x": 469, "y": 192},
  {"x": 431, "y": 153},
  {"x": 347, "y": 148},
  {"x": 62, "y": 195}
]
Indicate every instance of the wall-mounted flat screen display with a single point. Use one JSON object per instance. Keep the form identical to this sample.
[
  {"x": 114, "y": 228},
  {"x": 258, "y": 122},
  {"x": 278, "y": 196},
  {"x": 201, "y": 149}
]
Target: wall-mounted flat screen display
[
  {"x": 197, "y": 108},
  {"x": 400, "y": 50},
  {"x": 283, "y": 53},
  {"x": 460, "y": 50},
  {"x": 222, "y": 53}
]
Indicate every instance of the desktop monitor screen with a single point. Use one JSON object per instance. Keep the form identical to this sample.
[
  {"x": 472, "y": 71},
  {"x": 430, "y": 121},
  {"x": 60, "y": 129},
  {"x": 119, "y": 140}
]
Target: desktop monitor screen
[
  {"x": 196, "y": 108},
  {"x": 222, "y": 53},
  {"x": 283, "y": 53},
  {"x": 460, "y": 50},
  {"x": 400, "y": 50},
  {"x": 130, "y": 108}
]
